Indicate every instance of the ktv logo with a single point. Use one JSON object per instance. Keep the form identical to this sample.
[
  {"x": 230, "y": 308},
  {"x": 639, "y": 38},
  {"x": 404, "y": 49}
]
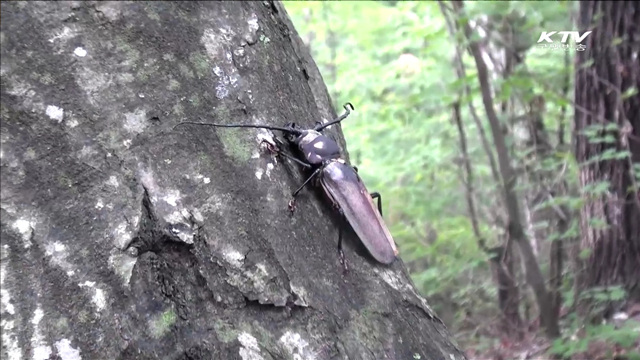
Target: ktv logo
[{"x": 545, "y": 41}]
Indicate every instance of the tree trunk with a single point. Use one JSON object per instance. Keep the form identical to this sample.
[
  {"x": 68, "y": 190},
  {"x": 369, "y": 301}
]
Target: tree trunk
[
  {"x": 606, "y": 69},
  {"x": 123, "y": 238},
  {"x": 500, "y": 257},
  {"x": 515, "y": 229}
]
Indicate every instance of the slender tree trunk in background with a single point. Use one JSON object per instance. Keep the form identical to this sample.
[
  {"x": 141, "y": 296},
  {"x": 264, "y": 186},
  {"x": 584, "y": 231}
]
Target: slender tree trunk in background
[
  {"x": 546, "y": 185},
  {"x": 516, "y": 232},
  {"x": 564, "y": 215},
  {"x": 123, "y": 238},
  {"x": 467, "y": 172},
  {"x": 607, "y": 69},
  {"x": 500, "y": 257},
  {"x": 502, "y": 264},
  {"x": 506, "y": 28},
  {"x": 462, "y": 74}
]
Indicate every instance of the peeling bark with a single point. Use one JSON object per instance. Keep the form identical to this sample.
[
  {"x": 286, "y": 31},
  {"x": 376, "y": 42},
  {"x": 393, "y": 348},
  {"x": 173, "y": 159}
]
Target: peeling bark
[{"x": 125, "y": 239}]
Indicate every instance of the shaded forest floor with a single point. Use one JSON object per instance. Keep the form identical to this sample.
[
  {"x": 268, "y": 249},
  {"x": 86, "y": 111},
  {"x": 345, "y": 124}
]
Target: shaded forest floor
[{"x": 579, "y": 344}]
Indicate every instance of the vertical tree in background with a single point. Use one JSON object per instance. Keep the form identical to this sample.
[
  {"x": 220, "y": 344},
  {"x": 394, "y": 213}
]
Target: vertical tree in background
[
  {"x": 501, "y": 257},
  {"x": 515, "y": 228},
  {"x": 607, "y": 139}
]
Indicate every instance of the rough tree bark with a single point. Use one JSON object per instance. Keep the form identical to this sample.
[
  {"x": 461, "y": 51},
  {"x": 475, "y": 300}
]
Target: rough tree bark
[
  {"x": 125, "y": 239},
  {"x": 605, "y": 70}
]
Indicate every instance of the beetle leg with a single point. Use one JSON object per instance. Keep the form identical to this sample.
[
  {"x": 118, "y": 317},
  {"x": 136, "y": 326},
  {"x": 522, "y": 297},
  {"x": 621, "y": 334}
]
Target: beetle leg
[
  {"x": 376, "y": 195},
  {"x": 292, "y": 205},
  {"x": 292, "y": 202},
  {"x": 274, "y": 149},
  {"x": 315, "y": 173},
  {"x": 320, "y": 127},
  {"x": 291, "y": 157},
  {"x": 341, "y": 226},
  {"x": 343, "y": 261}
]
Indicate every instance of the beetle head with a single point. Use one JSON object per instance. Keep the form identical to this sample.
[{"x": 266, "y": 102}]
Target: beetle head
[{"x": 294, "y": 132}]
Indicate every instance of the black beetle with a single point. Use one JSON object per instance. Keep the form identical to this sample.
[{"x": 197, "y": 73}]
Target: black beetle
[{"x": 340, "y": 182}]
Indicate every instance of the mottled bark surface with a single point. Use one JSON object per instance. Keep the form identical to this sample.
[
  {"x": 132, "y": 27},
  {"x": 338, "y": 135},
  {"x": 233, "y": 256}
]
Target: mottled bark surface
[
  {"x": 125, "y": 239},
  {"x": 607, "y": 124}
]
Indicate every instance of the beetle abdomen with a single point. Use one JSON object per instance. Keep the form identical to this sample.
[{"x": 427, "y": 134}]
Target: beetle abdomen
[{"x": 344, "y": 187}]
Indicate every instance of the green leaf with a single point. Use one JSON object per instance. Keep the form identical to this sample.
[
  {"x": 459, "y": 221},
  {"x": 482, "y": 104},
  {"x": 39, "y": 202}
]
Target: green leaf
[
  {"x": 598, "y": 223},
  {"x": 585, "y": 254},
  {"x": 596, "y": 188},
  {"x": 630, "y": 92}
]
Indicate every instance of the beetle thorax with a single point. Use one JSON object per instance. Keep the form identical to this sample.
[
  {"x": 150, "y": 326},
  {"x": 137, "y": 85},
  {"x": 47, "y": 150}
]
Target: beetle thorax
[
  {"x": 317, "y": 148},
  {"x": 307, "y": 138}
]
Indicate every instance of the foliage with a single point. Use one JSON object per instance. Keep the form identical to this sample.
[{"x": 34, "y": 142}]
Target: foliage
[
  {"x": 394, "y": 62},
  {"x": 605, "y": 337}
]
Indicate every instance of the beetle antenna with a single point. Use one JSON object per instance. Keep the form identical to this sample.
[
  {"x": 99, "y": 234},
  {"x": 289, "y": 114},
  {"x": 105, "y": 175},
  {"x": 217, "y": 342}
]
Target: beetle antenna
[
  {"x": 346, "y": 107},
  {"x": 283, "y": 129}
]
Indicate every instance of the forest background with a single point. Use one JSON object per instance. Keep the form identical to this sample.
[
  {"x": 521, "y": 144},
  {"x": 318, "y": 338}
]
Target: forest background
[{"x": 464, "y": 119}]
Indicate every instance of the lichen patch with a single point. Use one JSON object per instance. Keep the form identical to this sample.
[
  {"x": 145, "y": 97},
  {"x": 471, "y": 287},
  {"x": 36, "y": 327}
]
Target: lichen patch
[
  {"x": 58, "y": 254},
  {"x": 122, "y": 234},
  {"x": 217, "y": 44},
  {"x": 80, "y": 52},
  {"x": 301, "y": 295},
  {"x": 63, "y": 34},
  {"x": 172, "y": 197},
  {"x": 269, "y": 168},
  {"x": 55, "y": 113},
  {"x": 5, "y": 296},
  {"x": 296, "y": 346},
  {"x": 10, "y": 339},
  {"x": 135, "y": 122},
  {"x": 391, "y": 278},
  {"x": 233, "y": 257},
  {"x": 66, "y": 351},
  {"x": 113, "y": 181},
  {"x": 122, "y": 264},
  {"x": 41, "y": 350},
  {"x": 98, "y": 298},
  {"x": 71, "y": 123},
  {"x": 25, "y": 227},
  {"x": 161, "y": 323},
  {"x": 249, "y": 349}
]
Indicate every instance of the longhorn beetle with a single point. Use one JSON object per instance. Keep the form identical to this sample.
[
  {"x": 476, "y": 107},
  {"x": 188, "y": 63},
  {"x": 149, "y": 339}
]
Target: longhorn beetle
[{"x": 340, "y": 181}]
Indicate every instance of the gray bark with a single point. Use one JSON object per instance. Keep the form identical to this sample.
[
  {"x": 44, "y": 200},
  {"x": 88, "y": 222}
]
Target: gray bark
[
  {"x": 606, "y": 72},
  {"x": 123, "y": 238}
]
